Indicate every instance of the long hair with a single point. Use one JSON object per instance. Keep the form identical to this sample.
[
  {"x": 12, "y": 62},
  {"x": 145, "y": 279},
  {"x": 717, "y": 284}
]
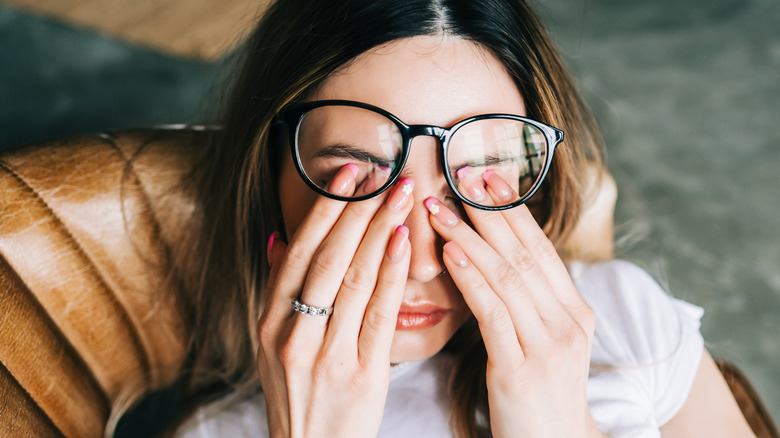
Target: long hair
[{"x": 294, "y": 48}]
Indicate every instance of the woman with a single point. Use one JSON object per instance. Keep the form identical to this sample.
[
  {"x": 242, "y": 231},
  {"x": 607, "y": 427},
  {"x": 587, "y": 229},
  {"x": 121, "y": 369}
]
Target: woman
[{"x": 414, "y": 286}]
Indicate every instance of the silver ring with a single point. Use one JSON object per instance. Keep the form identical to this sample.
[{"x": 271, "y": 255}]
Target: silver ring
[{"x": 311, "y": 310}]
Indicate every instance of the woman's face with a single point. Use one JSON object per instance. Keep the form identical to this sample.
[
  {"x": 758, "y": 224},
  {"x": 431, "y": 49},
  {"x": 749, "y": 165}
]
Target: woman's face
[{"x": 436, "y": 80}]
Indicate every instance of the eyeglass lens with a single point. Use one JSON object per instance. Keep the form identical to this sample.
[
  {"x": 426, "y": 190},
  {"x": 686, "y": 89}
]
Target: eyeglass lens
[{"x": 330, "y": 137}]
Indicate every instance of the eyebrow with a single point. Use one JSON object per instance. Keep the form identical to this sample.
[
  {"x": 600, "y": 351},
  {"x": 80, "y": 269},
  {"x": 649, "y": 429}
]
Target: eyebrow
[
  {"x": 346, "y": 151},
  {"x": 493, "y": 160}
]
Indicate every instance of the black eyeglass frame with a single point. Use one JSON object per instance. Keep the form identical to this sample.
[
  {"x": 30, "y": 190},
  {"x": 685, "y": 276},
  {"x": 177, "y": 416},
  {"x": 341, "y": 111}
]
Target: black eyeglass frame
[{"x": 293, "y": 114}]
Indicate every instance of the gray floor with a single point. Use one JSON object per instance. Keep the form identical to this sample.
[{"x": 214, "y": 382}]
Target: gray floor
[{"x": 688, "y": 94}]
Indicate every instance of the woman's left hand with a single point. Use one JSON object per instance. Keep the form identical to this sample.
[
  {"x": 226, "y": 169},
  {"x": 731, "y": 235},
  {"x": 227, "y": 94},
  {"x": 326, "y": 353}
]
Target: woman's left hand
[{"x": 536, "y": 328}]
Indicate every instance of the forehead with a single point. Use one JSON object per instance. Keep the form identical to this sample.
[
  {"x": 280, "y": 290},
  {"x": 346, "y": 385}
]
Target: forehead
[{"x": 427, "y": 80}]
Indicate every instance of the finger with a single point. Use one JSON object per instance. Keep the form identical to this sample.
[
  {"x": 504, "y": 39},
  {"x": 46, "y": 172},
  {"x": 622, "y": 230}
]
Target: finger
[
  {"x": 378, "y": 324},
  {"x": 336, "y": 252},
  {"x": 498, "y": 328},
  {"x": 471, "y": 185},
  {"x": 344, "y": 182},
  {"x": 523, "y": 225},
  {"x": 504, "y": 278},
  {"x": 361, "y": 277},
  {"x": 499, "y": 190},
  {"x": 495, "y": 229},
  {"x": 288, "y": 280},
  {"x": 520, "y": 222},
  {"x": 376, "y": 179}
]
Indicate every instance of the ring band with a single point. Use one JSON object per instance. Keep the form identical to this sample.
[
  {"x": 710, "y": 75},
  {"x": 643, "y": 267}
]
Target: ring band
[{"x": 311, "y": 310}]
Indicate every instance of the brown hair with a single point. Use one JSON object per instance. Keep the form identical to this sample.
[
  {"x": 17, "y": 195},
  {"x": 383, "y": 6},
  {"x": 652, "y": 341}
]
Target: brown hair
[{"x": 297, "y": 45}]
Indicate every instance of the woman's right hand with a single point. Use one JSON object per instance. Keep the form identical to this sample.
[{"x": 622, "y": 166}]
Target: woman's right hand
[{"x": 329, "y": 376}]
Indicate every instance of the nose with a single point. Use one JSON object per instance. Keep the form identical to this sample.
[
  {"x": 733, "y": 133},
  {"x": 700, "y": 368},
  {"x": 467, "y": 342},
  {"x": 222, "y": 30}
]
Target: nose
[{"x": 426, "y": 245}]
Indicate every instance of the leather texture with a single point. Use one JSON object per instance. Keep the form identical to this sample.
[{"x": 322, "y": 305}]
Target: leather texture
[
  {"x": 86, "y": 314},
  {"x": 87, "y": 227}
]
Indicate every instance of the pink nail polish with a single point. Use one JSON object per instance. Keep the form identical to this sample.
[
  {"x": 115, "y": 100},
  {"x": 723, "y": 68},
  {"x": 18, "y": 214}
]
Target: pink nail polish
[
  {"x": 498, "y": 185},
  {"x": 440, "y": 211},
  {"x": 275, "y": 235},
  {"x": 487, "y": 174},
  {"x": 353, "y": 168},
  {"x": 398, "y": 243},
  {"x": 463, "y": 172},
  {"x": 342, "y": 184},
  {"x": 401, "y": 193}
]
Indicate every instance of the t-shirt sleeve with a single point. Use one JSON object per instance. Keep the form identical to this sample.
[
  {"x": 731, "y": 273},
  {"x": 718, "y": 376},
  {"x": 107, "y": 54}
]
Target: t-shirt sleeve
[{"x": 646, "y": 348}]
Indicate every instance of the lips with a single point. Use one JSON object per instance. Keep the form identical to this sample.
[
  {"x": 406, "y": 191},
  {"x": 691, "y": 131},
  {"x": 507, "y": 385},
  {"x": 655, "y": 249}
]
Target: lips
[{"x": 419, "y": 316}]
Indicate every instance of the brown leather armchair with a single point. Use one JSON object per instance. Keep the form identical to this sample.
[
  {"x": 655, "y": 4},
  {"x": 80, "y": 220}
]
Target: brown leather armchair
[{"x": 88, "y": 321}]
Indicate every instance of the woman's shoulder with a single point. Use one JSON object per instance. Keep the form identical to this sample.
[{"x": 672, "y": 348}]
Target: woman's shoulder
[
  {"x": 646, "y": 347},
  {"x": 637, "y": 321}
]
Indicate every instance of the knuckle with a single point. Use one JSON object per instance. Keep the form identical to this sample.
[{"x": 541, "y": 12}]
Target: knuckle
[
  {"x": 500, "y": 319},
  {"x": 587, "y": 318},
  {"x": 385, "y": 282},
  {"x": 294, "y": 351},
  {"x": 574, "y": 338},
  {"x": 508, "y": 277},
  {"x": 378, "y": 317},
  {"x": 524, "y": 259},
  {"x": 543, "y": 247},
  {"x": 297, "y": 257},
  {"x": 289, "y": 356},
  {"x": 325, "y": 261},
  {"x": 473, "y": 283},
  {"x": 357, "y": 278}
]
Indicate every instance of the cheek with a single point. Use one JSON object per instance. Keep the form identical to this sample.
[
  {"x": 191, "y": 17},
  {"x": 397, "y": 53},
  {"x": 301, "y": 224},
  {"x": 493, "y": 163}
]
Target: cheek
[{"x": 295, "y": 197}]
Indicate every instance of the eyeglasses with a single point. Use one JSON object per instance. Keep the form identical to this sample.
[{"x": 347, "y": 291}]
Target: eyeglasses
[{"x": 329, "y": 134}]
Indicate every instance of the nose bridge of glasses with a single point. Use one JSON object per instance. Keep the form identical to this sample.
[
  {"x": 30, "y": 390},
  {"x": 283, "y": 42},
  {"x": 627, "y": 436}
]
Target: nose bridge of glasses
[{"x": 428, "y": 130}]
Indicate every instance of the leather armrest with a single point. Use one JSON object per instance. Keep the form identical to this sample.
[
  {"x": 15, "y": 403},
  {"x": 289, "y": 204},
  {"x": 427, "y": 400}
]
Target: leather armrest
[{"x": 89, "y": 319}]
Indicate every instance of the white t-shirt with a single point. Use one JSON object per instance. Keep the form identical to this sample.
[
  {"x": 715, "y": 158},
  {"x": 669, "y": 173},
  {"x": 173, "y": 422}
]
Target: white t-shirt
[{"x": 650, "y": 339}]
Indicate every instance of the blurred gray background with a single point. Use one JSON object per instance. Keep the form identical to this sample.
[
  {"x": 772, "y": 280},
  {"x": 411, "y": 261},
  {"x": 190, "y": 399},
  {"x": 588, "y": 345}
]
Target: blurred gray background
[{"x": 687, "y": 94}]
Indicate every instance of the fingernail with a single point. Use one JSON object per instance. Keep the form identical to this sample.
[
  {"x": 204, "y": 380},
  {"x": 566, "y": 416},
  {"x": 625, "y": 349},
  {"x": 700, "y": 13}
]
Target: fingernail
[
  {"x": 440, "y": 211},
  {"x": 371, "y": 184},
  {"x": 345, "y": 180},
  {"x": 499, "y": 186},
  {"x": 474, "y": 191},
  {"x": 398, "y": 242},
  {"x": 456, "y": 254},
  {"x": 352, "y": 167},
  {"x": 463, "y": 172},
  {"x": 401, "y": 194},
  {"x": 486, "y": 175},
  {"x": 275, "y": 235}
]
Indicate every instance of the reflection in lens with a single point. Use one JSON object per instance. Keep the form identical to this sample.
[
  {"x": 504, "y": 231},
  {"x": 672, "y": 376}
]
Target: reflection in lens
[
  {"x": 514, "y": 150},
  {"x": 329, "y": 137}
]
